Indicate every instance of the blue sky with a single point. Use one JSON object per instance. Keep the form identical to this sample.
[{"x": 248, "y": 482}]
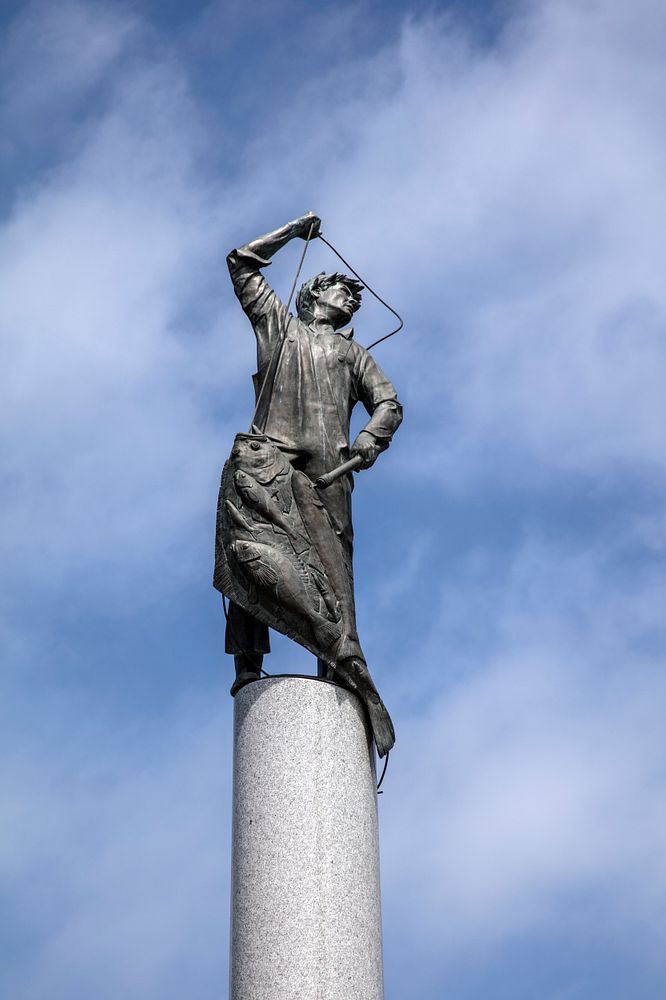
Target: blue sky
[{"x": 494, "y": 170}]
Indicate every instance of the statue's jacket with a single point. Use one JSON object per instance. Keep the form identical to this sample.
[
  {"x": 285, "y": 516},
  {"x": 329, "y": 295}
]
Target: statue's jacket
[{"x": 313, "y": 382}]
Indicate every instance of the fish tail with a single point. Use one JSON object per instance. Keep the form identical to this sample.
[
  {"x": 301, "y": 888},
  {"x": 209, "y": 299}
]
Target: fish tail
[
  {"x": 238, "y": 519},
  {"x": 380, "y": 722},
  {"x": 354, "y": 674},
  {"x": 326, "y": 633}
]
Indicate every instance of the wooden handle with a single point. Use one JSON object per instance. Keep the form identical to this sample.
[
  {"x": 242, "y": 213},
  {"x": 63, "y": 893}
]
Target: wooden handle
[{"x": 330, "y": 477}]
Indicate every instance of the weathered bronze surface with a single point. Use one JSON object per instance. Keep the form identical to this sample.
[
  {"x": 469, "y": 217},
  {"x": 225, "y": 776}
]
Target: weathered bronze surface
[{"x": 284, "y": 526}]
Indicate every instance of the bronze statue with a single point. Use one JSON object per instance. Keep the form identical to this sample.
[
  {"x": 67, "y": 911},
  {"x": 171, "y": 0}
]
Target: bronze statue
[{"x": 284, "y": 526}]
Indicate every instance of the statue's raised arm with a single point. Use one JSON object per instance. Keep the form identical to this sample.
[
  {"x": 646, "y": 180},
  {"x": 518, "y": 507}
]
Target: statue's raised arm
[
  {"x": 263, "y": 307},
  {"x": 305, "y": 227}
]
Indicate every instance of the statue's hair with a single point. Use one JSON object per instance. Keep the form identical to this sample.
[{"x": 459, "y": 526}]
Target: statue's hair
[{"x": 307, "y": 295}]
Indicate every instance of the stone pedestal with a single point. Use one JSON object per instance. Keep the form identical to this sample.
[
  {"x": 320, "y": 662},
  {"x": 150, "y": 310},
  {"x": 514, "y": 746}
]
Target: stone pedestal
[{"x": 305, "y": 908}]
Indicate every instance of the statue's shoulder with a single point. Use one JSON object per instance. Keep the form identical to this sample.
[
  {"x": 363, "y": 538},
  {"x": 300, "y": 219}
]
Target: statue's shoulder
[
  {"x": 349, "y": 348},
  {"x": 358, "y": 356}
]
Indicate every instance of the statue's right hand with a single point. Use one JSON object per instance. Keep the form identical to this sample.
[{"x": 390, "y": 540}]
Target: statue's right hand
[{"x": 309, "y": 224}]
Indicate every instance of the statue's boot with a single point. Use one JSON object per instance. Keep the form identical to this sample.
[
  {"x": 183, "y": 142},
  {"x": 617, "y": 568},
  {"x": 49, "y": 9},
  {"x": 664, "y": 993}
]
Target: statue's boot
[
  {"x": 248, "y": 669},
  {"x": 354, "y": 674}
]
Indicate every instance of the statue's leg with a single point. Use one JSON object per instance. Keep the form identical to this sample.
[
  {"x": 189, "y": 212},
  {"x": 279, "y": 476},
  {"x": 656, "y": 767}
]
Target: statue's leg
[
  {"x": 323, "y": 669},
  {"x": 247, "y": 639}
]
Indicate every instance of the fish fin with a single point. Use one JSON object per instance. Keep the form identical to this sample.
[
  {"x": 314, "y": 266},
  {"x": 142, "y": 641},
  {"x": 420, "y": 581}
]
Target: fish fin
[
  {"x": 307, "y": 577},
  {"x": 263, "y": 574},
  {"x": 327, "y": 595}
]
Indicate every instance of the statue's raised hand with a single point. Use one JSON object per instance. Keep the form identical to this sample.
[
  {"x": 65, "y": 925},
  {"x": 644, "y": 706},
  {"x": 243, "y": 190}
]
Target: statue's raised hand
[{"x": 309, "y": 224}]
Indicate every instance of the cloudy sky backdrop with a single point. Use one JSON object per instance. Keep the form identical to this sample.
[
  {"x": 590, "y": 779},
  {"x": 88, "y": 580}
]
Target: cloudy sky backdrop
[{"x": 496, "y": 170}]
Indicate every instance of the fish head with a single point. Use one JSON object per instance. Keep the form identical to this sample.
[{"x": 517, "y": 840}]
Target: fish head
[
  {"x": 252, "y": 452},
  {"x": 244, "y": 551},
  {"x": 242, "y": 479}
]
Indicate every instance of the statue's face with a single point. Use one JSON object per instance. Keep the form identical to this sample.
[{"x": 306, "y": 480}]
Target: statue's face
[{"x": 335, "y": 304}]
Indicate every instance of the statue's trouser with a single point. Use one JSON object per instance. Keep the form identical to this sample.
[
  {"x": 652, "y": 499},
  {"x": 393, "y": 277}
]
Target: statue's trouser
[{"x": 305, "y": 905}]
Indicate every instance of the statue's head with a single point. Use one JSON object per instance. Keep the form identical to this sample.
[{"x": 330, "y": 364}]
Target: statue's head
[{"x": 331, "y": 297}]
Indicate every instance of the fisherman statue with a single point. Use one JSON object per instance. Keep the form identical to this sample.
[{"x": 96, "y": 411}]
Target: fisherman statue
[{"x": 284, "y": 524}]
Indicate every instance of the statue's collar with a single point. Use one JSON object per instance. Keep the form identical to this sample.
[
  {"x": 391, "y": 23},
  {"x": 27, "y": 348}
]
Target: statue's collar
[{"x": 347, "y": 333}]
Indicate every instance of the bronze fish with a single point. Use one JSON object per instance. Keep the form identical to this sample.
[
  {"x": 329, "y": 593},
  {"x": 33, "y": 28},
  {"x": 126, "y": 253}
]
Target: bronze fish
[
  {"x": 259, "y": 456},
  {"x": 284, "y": 581},
  {"x": 258, "y": 498}
]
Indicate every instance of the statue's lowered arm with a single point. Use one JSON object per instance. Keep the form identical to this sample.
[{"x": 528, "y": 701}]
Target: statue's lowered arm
[
  {"x": 370, "y": 443},
  {"x": 380, "y": 399}
]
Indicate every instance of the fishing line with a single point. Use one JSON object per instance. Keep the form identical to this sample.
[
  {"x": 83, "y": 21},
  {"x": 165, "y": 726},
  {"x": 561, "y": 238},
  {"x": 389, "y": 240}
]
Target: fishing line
[
  {"x": 372, "y": 292},
  {"x": 379, "y": 783}
]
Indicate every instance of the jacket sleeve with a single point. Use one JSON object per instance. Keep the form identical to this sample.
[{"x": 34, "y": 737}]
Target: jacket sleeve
[
  {"x": 267, "y": 314},
  {"x": 379, "y": 397}
]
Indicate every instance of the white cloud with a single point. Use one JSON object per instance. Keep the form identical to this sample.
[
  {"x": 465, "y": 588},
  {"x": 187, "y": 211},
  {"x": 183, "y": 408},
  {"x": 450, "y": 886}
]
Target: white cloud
[{"x": 534, "y": 780}]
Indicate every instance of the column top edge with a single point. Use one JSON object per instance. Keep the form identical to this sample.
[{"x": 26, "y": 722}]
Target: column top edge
[
  {"x": 272, "y": 678},
  {"x": 301, "y": 677}
]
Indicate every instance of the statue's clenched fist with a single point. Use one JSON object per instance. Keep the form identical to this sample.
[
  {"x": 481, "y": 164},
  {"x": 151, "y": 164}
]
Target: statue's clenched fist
[
  {"x": 368, "y": 447},
  {"x": 308, "y": 222}
]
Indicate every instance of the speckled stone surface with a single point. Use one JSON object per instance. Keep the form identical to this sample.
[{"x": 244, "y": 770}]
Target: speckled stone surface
[{"x": 305, "y": 906}]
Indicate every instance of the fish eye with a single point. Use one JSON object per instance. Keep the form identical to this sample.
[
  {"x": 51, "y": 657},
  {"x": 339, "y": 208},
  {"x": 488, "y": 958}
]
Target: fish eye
[{"x": 255, "y": 446}]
